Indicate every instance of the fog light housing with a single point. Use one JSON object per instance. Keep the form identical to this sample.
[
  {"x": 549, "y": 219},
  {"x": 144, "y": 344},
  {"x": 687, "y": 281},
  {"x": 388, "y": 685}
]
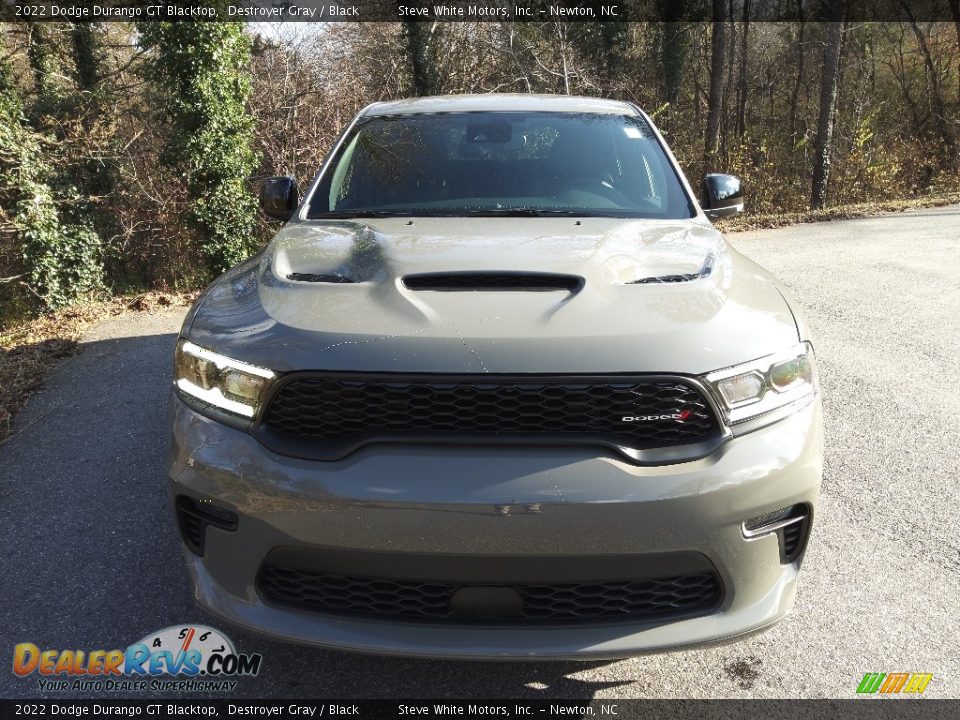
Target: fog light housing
[
  {"x": 791, "y": 525},
  {"x": 193, "y": 517}
]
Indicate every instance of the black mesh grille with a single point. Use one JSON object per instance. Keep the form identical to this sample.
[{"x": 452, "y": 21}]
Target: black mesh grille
[
  {"x": 335, "y": 412},
  {"x": 684, "y": 595}
]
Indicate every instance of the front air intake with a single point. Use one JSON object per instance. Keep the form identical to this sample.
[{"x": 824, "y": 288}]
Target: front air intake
[{"x": 474, "y": 281}]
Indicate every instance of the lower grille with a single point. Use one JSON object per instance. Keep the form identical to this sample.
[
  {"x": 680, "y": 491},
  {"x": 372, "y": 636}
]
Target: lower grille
[
  {"x": 792, "y": 537},
  {"x": 637, "y": 600},
  {"x": 327, "y": 417},
  {"x": 191, "y": 527}
]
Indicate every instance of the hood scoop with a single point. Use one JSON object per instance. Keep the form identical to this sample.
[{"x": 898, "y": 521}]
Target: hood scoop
[
  {"x": 497, "y": 281},
  {"x": 704, "y": 271},
  {"x": 667, "y": 279},
  {"x": 313, "y": 278}
]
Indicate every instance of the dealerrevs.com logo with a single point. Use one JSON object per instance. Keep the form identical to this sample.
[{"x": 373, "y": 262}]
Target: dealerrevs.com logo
[{"x": 178, "y": 658}]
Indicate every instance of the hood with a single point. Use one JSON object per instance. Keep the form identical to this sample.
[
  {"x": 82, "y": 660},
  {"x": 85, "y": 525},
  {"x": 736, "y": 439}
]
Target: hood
[{"x": 505, "y": 295}]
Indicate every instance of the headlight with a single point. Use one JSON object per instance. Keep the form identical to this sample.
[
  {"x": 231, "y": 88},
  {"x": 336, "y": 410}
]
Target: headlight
[
  {"x": 762, "y": 391},
  {"x": 220, "y": 381}
]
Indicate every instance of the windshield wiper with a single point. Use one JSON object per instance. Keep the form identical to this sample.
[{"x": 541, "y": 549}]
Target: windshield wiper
[
  {"x": 448, "y": 212},
  {"x": 345, "y": 214},
  {"x": 519, "y": 212}
]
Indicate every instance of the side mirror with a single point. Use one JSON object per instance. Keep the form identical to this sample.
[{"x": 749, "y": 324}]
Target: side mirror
[
  {"x": 279, "y": 197},
  {"x": 722, "y": 195}
]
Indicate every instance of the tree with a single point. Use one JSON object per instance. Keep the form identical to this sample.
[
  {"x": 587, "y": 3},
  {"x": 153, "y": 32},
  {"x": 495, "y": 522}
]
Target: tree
[
  {"x": 673, "y": 47},
  {"x": 955, "y": 12},
  {"x": 938, "y": 109},
  {"x": 828, "y": 98},
  {"x": 201, "y": 67},
  {"x": 599, "y": 46},
  {"x": 61, "y": 250},
  {"x": 41, "y": 55},
  {"x": 799, "y": 43},
  {"x": 742, "y": 84},
  {"x": 422, "y": 57},
  {"x": 86, "y": 58},
  {"x": 715, "y": 101}
]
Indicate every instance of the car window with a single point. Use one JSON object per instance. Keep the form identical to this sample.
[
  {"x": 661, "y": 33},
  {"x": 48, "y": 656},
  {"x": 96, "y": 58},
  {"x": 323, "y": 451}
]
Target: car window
[{"x": 498, "y": 162}]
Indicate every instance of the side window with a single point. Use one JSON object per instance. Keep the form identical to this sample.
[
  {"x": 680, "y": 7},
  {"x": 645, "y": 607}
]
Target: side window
[{"x": 344, "y": 177}]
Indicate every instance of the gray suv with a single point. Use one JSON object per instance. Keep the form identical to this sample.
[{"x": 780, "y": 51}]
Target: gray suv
[{"x": 497, "y": 389}]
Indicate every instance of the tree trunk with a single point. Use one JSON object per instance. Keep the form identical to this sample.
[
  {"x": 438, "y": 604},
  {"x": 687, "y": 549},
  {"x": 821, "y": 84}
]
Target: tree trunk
[
  {"x": 730, "y": 88},
  {"x": 673, "y": 52},
  {"x": 421, "y": 56},
  {"x": 41, "y": 57},
  {"x": 562, "y": 38},
  {"x": 900, "y": 73},
  {"x": 742, "y": 82},
  {"x": 86, "y": 63},
  {"x": 715, "y": 101},
  {"x": 955, "y": 11},
  {"x": 795, "y": 95},
  {"x": 614, "y": 36},
  {"x": 828, "y": 99}
]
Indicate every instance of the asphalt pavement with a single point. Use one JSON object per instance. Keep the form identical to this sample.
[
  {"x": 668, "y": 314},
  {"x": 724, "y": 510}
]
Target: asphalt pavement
[{"x": 90, "y": 557}]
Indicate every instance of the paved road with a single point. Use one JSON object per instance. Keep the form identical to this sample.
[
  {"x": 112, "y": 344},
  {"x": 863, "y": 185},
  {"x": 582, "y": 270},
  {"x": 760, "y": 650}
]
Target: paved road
[{"x": 89, "y": 557}]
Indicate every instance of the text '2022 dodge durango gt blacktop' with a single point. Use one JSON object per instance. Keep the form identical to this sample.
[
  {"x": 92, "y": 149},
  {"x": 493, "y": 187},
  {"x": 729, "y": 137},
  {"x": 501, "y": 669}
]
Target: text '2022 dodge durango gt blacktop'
[{"x": 498, "y": 388}]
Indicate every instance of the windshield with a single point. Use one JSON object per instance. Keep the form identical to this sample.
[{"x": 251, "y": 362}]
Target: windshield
[{"x": 501, "y": 163}]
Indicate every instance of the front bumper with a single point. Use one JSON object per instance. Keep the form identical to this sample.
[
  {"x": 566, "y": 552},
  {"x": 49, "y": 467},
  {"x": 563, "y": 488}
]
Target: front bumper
[{"x": 497, "y": 502}]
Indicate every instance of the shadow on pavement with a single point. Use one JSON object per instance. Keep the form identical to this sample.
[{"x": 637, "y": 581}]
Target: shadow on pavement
[{"x": 94, "y": 562}]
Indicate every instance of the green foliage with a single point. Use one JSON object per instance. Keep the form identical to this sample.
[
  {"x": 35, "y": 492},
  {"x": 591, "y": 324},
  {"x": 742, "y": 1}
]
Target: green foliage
[
  {"x": 41, "y": 53},
  {"x": 62, "y": 253},
  {"x": 202, "y": 70},
  {"x": 65, "y": 258}
]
